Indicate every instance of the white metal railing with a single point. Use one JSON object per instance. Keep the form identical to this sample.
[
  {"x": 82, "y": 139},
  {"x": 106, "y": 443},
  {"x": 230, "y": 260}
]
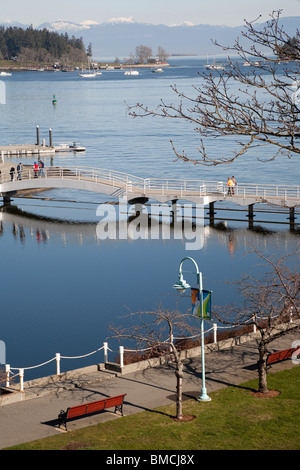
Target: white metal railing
[
  {"x": 21, "y": 370},
  {"x": 155, "y": 186}
]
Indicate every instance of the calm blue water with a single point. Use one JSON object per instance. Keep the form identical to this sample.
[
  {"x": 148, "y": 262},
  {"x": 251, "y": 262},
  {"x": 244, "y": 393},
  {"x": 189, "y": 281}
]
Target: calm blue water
[{"x": 61, "y": 287}]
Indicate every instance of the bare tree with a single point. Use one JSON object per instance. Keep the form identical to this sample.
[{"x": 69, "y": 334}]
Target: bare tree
[
  {"x": 269, "y": 302},
  {"x": 162, "y": 54},
  {"x": 155, "y": 330},
  {"x": 263, "y": 111},
  {"x": 143, "y": 54}
]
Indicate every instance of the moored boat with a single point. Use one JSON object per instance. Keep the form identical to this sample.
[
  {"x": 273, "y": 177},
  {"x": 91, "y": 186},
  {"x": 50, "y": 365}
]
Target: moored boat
[{"x": 75, "y": 147}]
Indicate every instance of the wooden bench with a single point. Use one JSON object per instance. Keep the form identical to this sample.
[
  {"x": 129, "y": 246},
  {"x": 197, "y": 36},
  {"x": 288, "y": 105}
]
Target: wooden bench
[
  {"x": 89, "y": 408},
  {"x": 281, "y": 355}
]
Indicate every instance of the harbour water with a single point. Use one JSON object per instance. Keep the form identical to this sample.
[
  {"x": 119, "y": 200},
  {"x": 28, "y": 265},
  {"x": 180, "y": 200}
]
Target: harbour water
[{"x": 61, "y": 287}]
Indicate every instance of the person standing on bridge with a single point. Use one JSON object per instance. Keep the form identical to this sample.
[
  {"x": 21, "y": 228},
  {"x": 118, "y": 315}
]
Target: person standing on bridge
[
  {"x": 42, "y": 171},
  {"x": 35, "y": 169},
  {"x": 12, "y": 173},
  {"x": 19, "y": 170},
  {"x": 234, "y": 183},
  {"x": 230, "y": 186}
]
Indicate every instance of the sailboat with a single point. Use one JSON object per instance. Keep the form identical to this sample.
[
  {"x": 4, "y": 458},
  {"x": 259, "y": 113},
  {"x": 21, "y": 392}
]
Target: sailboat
[
  {"x": 213, "y": 66},
  {"x": 89, "y": 74}
]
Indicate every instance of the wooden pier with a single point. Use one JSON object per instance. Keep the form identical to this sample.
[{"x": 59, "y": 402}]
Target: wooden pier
[{"x": 24, "y": 150}]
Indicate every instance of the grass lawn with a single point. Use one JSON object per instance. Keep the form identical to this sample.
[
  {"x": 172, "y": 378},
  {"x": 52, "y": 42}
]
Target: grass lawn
[{"x": 235, "y": 419}]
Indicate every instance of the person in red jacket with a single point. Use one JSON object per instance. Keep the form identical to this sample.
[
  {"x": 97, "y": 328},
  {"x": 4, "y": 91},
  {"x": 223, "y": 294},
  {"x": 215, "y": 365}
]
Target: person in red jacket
[{"x": 35, "y": 169}]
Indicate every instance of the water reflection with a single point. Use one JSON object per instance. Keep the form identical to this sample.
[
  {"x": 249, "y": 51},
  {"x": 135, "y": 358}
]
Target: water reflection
[
  {"x": 62, "y": 287},
  {"x": 26, "y": 225}
]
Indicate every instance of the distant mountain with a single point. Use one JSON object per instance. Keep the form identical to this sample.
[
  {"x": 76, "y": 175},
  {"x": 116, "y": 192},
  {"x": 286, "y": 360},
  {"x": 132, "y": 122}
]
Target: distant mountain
[{"x": 119, "y": 37}]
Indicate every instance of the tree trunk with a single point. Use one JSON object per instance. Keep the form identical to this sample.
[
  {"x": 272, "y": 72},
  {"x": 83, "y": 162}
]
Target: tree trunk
[
  {"x": 262, "y": 369},
  {"x": 179, "y": 376}
]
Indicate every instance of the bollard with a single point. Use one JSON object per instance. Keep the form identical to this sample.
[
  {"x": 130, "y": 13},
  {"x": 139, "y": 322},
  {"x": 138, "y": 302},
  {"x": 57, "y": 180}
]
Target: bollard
[
  {"x": 7, "y": 372},
  {"x": 21, "y": 374},
  {"x": 121, "y": 349},
  {"x": 215, "y": 327},
  {"x": 57, "y": 363},
  {"x": 105, "y": 350}
]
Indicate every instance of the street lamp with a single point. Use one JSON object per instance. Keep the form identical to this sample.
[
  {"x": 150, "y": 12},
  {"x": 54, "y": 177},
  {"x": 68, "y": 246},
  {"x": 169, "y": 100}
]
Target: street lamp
[{"x": 181, "y": 286}]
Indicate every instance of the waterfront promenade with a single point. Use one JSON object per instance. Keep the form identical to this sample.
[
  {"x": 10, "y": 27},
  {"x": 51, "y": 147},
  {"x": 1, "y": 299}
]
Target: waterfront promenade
[{"x": 35, "y": 417}]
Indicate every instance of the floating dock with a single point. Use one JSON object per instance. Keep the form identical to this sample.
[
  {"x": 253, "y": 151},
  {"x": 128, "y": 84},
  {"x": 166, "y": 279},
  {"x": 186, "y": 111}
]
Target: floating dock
[{"x": 26, "y": 150}]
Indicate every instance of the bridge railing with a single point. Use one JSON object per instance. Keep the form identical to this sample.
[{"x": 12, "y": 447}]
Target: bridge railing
[
  {"x": 130, "y": 182},
  {"x": 183, "y": 186},
  {"x": 266, "y": 190}
]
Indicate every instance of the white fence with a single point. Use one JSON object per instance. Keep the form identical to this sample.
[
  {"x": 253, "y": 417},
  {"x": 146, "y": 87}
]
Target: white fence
[
  {"x": 58, "y": 357},
  {"x": 20, "y": 371}
]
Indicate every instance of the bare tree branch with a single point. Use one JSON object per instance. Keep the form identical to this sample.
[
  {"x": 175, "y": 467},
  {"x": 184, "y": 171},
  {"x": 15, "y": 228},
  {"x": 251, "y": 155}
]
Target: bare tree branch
[
  {"x": 268, "y": 304},
  {"x": 262, "y": 112}
]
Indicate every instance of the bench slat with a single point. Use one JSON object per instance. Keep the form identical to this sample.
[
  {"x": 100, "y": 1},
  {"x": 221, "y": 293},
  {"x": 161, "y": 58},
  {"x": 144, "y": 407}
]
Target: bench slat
[
  {"x": 96, "y": 406},
  {"x": 114, "y": 401},
  {"x": 280, "y": 355},
  {"x": 74, "y": 411}
]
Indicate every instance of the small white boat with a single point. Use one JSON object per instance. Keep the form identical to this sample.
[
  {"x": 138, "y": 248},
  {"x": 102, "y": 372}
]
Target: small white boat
[
  {"x": 87, "y": 75},
  {"x": 214, "y": 67},
  {"x": 131, "y": 72},
  {"x": 159, "y": 70},
  {"x": 5, "y": 74},
  {"x": 75, "y": 147}
]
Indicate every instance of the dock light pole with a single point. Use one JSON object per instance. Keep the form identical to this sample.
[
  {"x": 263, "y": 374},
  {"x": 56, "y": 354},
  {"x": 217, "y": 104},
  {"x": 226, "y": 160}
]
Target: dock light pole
[{"x": 181, "y": 286}]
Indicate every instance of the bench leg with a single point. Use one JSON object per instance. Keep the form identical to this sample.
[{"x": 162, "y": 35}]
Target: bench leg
[
  {"x": 119, "y": 408},
  {"x": 62, "y": 419}
]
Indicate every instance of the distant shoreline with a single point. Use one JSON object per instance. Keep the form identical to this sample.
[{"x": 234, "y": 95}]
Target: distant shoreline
[{"x": 101, "y": 65}]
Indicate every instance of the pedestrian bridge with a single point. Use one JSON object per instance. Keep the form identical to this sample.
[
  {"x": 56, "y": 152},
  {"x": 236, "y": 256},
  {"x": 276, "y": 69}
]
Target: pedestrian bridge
[{"x": 135, "y": 189}]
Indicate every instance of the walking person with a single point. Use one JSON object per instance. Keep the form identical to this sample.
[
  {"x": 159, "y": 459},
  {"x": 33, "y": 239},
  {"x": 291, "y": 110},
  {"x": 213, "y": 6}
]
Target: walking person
[
  {"x": 35, "y": 169},
  {"x": 230, "y": 186},
  {"x": 19, "y": 170},
  {"x": 234, "y": 183},
  {"x": 12, "y": 173},
  {"x": 42, "y": 171}
]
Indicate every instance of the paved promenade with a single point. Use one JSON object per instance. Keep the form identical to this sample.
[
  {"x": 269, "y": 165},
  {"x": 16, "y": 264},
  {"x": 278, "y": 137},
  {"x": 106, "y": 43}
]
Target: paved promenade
[{"x": 36, "y": 416}]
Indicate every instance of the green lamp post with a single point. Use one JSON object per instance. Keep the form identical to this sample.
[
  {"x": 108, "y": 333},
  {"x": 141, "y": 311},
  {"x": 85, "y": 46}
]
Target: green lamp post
[{"x": 181, "y": 285}]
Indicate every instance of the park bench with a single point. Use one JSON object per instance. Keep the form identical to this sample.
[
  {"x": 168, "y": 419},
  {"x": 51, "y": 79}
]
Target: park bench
[
  {"x": 279, "y": 356},
  {"x": 89, "y": 408}
]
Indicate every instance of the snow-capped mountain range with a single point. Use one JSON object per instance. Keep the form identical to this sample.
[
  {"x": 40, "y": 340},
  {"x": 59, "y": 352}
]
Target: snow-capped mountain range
[{"x": 120, "y": 36}]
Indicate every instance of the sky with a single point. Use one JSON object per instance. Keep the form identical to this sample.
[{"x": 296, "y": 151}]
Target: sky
[{"x": 169, "y": 12}]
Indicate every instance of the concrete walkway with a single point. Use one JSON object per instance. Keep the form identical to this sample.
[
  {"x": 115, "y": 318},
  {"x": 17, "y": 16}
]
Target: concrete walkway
[{"x": 36, "y": 416}]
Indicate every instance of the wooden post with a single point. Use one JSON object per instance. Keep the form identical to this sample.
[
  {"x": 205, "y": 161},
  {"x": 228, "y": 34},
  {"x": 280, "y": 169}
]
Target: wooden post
[
  {"x": 250, "y": 215},
  {"x": 7, "y": 372},
  {"x": 57, "y": 363},
  {"x": 21, "y": 373},
  {"x": 50, "y": 137},
  {"x": 37, "y": 135},
  {"x": 105, "y": 348},
  {"x": 121, "y": 349},
  {"x": 292, "y": 218},
  {"x": 211, "y": 213}
]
